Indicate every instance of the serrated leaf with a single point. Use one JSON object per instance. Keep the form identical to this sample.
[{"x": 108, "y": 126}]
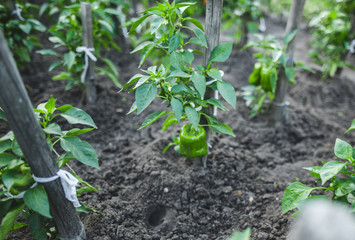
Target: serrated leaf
[
  {"x": 152, "y": 118},
  {"x": 228, "y": 93},
  {"x": 81, "y": 150},
  {"x": 342, "y": 149},
  {"x": 78, "y": 116},
  {"x": 177, "y": 108},
  {"x": 193, "y": 116},
  {"x": 200, "y": 83},
  {"x": 330, "y": 169},
  {"x": 145, "y": 94},
  {"x": 221, "y": 52},
  {"x": 36, "y": 199}
]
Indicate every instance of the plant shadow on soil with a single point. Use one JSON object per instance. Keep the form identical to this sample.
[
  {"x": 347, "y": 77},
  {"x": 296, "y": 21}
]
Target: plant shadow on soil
[{"x": 145, "y": 194}]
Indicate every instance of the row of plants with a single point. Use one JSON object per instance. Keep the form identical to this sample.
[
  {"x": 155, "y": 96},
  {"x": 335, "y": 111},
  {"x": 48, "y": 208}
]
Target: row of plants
[{"x": 21, "y": 198}]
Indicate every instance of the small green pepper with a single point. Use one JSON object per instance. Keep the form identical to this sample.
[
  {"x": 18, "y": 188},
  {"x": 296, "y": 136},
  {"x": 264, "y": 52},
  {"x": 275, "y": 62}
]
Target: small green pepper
[
  {"x": 193, "y": 143},
  {"x": 254, "y": 77},
  {"x": 265, "y": 80}
]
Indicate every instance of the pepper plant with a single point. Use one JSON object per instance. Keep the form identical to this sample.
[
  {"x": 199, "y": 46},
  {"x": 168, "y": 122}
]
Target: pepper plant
[
  {"x": 20, "y": 30},
  {"x": 331, "y": 37},
  {"x": 67, "y": 33},
  {"x": 179, "y": 81},
  {"x": 270, "y": 61},
  {"x": 20, "y": 197},
  {"x": 337, "y": 177}
]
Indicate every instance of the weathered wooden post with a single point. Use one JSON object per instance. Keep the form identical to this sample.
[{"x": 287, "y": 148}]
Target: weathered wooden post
[
  {"x": 212, "y": 31},
  {"x": 279, "y": 105},
  {"x": 19, "y": 112},
  {"x": 88, "y": 42}
]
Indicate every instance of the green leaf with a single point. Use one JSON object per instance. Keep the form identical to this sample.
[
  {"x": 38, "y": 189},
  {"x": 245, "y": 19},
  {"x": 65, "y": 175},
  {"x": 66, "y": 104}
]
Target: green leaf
[
  {"x": 155, "y": 24},
  {"x": 200, "y": 83},
  {"x": 133, "y": 108},
  {"x": 81, "y": 150},
  {"x": 352, "y": 127},
  {"x": 194, "y": 21},
  {"x": 26, "y": 28},
  {"x": 38, "y": 226},
  {"x": 193, "y": 116},
  {"x": 132, "y": 80},
  {"x": 138, "y": 22},
  {"x": 290, "y": 72},
  {"x": 217, "y": 103},
  {"x": 330, "y": 169},
  {"x": 8, "y": 221},
  {"x": 314, "y": 171},
  {"x": 171, "y": 119},
  {"x": 174, "y": 42},
  {"x": 228, "y": 93},
  {"x": 5, "y": 145},
  {"x": 142, "y": 46},
  {"x": 177, "y": 108},
  {"x": 145, "y": 95},
  {"x": 2, "y": 115},
  {"x": 294, "y": 193},
  {"x": 245, "y": 235},
  {"x": 6, "y": 158},
  {"x": 48, "y": 52},
  {"x": 221, "y": 52},
  {"x": 77, "y": 131},
  {"x": 53, "y": 128},
  {"x": 177, "y": 61},
  {"x": 54, "y": 65},
  {"x": 200, "y": 37},
  {"x": 344, "y": 187},
  {"x": 62, "y": 76},
  {"x": 288, "y": 38},
  {"x": 69, "y": 59},
  {"x": 215, "y": 74},
  {"x": 78, "y": 116},
  {"x": 188, "y": 57},
  {"x": 108, "y": 27},
  {"x": 5, "y": 206},
  {"x": 16, "y": 148},
  {"x": 145, "y": 53},
  {"x": 37, "y": 200},
  {"x": 342, "y": 149},
  {"x": 223, "y": 128},
  {"x": 179, "y": 73},
  {"x": 50, "y": 105},
  {"x": 64, "y": 108},
  {"x": 152, "y": 118}
]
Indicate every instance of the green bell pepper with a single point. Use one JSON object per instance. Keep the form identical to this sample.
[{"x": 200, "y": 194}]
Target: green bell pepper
[
  {"x": 192, "y": 143},
  {"x": 254, "y": 77}
]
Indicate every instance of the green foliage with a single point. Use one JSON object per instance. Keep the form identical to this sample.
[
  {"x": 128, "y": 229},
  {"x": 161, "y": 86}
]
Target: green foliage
[
  {"x": 67, "y": 33},
  {"x": 270, "y": 61},
  {"x": 19, "y": 196},
  {"x": 244, "y": 235},
  {"x": 331, "y": 36},
  {"x": 338, "y": 174},
  {"x": 178, "y": 81},
  {"x": 20, "y": 31},
  {"x": 241, "y": 17}
]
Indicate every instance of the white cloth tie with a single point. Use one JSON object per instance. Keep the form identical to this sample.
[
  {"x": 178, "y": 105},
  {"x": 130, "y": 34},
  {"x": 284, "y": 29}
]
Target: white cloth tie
[
  {"x": 69, "y": 183},
  {"x": 122, "y": 18},
  {"x": 351, "y": 47},
  {"x": 20, "y": 195},
  {"x": 88, "y": 54},
  {"x": 17, "y": 12}
]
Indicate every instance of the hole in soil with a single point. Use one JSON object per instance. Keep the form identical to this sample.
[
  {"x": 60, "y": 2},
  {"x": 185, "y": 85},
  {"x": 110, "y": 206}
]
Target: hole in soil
[{"x": 156, "y": 216}]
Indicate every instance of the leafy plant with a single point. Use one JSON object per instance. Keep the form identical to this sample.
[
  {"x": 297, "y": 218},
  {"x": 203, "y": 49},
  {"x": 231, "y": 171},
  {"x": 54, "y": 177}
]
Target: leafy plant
[
  {"x": 338, "y": 175},
  {"x": 178, "y": 81},
  {"x": 244, "y": 235},
  {"x": 331, "y": 33},
  {"x": 67, "y": 33},
  {"x": 242, "y": 17},
  {"x": 19, "y": 195},
  {"x": 270, "y": 61},
  {"x": 20, "y": 30}
]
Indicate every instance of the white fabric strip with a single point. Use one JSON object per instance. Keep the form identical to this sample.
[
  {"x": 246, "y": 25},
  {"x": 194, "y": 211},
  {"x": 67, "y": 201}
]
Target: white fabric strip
[
  {"x": 351, "y": 47},
  {"x": 17, "y": 12},
  {"x": 69, "y": 183},
  {"x": 20, "y": 195},
  {"x": 88, "y": 54},
  {"x": 122, "y": 19}
]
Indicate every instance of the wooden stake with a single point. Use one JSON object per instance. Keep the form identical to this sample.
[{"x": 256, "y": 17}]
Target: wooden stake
[
  {"x": 29, "y": 134},
  {"x": 279, "y": 107},
  {"x": 88, "y": 41},
  {"x": 212, "y": 32}
]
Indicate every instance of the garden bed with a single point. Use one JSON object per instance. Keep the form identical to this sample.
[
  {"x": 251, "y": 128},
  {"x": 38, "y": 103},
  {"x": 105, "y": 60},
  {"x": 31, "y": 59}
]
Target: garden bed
[{"x": 144, "y": 194}]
